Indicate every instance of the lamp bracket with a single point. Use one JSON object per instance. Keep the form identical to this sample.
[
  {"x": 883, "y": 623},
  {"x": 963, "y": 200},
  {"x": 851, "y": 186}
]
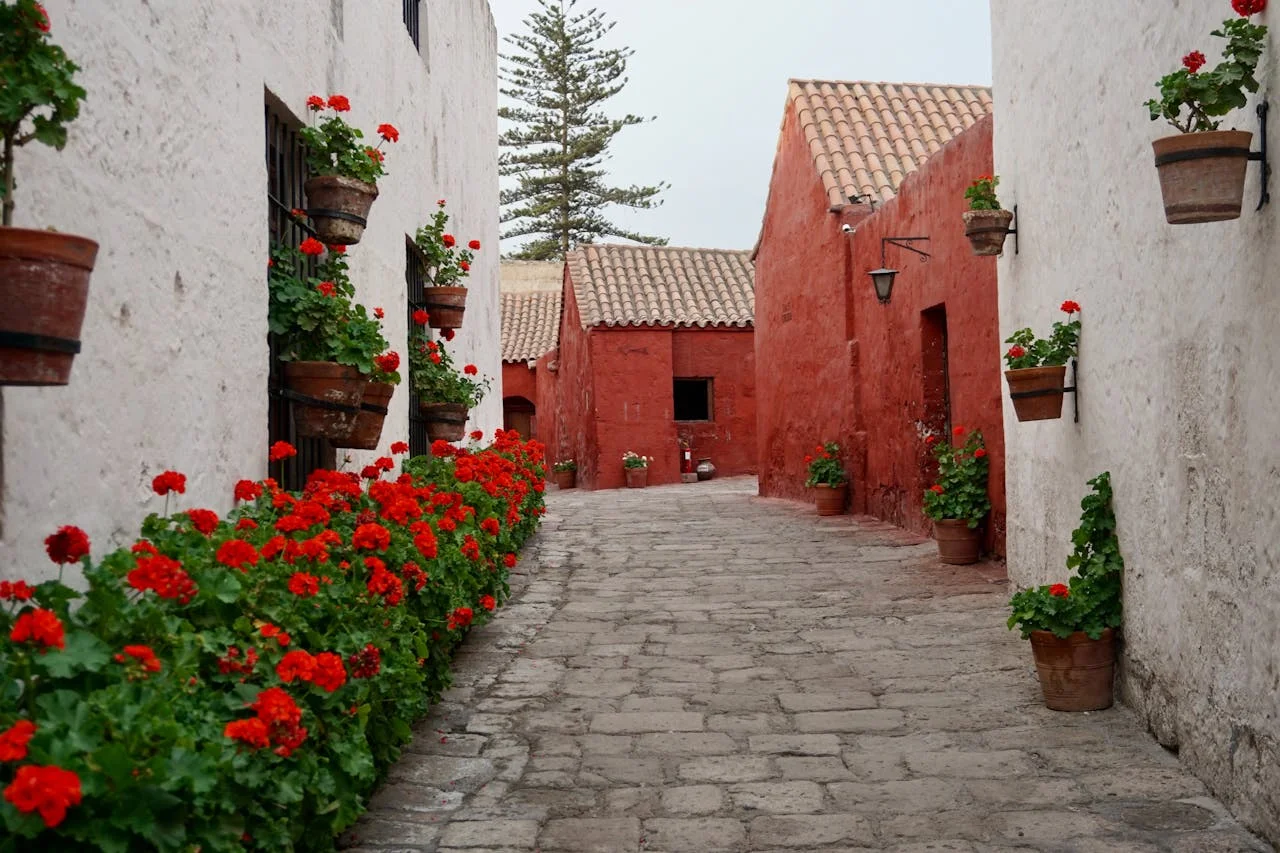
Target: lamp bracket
[{"x": 902, "y": 243}]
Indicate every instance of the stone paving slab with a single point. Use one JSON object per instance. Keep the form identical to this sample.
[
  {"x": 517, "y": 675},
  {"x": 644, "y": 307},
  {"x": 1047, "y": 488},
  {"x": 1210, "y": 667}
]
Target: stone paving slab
[{"x": 693, "y": 669}]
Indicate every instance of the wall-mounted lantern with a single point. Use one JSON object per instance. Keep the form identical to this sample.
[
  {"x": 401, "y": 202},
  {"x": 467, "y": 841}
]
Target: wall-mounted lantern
[{"x": 882, "y": 279}]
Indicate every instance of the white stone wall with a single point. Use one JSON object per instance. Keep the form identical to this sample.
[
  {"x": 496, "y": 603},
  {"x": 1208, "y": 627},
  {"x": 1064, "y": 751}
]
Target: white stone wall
[
  {"x": 165, "y": 168},
  {"x": 1180, "y": 355}
]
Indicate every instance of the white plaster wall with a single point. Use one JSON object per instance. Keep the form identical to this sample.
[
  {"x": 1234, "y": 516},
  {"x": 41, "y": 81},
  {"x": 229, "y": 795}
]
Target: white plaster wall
[
  {"x": 1179, "y": 358},
  {"x": 165, "y": 168}
]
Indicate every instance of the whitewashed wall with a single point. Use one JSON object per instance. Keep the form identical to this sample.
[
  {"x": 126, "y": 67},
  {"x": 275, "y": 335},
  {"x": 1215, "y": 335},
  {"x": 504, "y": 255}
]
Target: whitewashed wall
[
  {"x": 1179, "y": 362},
  {"x": 165, "y": 168}
]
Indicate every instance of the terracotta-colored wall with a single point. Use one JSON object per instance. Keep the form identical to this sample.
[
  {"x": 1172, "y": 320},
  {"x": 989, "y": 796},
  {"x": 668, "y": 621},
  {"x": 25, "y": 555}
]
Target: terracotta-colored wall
[
  {"x": 847, "y": 368},
  {"x": 547, "y": 399},
  {"x": 519, "y": 381},
  {"x": 727, "y": 356},
  {"x": 632, "y": 370},
  {"x": 575, "y": 401}
]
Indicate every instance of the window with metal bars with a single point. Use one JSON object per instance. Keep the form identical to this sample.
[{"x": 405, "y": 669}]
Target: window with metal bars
[
  {"x": 411, "y": 21},
  {"x": 286, "y": 174},
  {"x": 415, "y": 279}
]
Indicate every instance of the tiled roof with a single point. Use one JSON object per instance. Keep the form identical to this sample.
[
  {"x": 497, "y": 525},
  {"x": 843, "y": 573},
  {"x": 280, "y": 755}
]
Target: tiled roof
[
  {"x": 530, "y": 324},
  {"x": 661, "y": 285},
  {"x": 867, "y": 137}
]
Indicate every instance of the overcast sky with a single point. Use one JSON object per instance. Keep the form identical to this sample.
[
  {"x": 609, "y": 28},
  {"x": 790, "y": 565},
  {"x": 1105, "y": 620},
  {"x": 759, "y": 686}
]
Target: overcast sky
[{"x": 714, "y": 73}]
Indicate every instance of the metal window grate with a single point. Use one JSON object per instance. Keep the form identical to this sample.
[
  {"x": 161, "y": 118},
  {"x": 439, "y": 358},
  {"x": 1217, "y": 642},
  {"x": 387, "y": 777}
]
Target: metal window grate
[
  {"x": 415, "y": 279},
  {"x": 411, "y": 21},
  {"x": 286, "y": 173}
]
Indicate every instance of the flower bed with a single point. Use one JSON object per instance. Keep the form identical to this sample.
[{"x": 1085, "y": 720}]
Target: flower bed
[{"x": 244, "y": 683}]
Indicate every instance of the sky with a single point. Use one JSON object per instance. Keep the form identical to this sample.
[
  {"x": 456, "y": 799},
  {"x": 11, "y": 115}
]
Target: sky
[{"x": 714, "y": 74}]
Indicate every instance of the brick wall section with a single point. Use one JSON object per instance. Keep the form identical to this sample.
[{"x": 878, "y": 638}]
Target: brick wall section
[
  {"x": 835, "y": 364},
  {"x": 728, "y": 356}
]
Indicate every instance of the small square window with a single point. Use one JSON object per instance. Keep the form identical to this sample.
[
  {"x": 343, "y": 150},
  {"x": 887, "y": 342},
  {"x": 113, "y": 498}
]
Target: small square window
[{"x": 692, "y": 399}]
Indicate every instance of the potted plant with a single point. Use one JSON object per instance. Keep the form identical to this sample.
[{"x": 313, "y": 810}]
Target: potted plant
[
  {"x": 958, "y": 501},
  {"x": 445, "y": 394},
  {"x": 1037, "y": 367},
  {"x": 636, "y": 467},
  {"x": 827, "y": 478},
  {"x": 343, "y": 171},
  {"x": 330, "y": 346},
  {"x": 446, "y": 265},
  {"x": 1072, "y": 626},
  {"x": 566, "y": 471},
  {"x": 44, "y": 275},
  {"x": 1202, "y": 168},
  {"x": 378, "y": 390},
  {"x": 986, "y": 224}
]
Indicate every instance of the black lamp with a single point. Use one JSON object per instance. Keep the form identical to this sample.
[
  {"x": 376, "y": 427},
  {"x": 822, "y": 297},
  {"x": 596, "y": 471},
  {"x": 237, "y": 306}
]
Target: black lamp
[{"x": 882, "y": 279}]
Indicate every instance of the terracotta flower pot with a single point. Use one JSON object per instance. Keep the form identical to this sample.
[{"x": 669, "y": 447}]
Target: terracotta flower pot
[
  {"x": 325, "y": 397},
  {"x": 958, "y": 544},
  {"x": 566, "y": 479},
  {"x": 1202, "y": 175},
  {"x": 637, "y": 478},
  {"x": 339, "y": 208},
  {"x": 1045, "y": 386},
  {"x": 373, "y": 411},
  {"x": 986, "y": 230},
  {"x": 445, "y": 421},
  {"x": 445, "y": 305},
  {"x": 44, "y": 286},
  {"x": 831, "y": 499},
  {"x": 1076, "y": 673}
]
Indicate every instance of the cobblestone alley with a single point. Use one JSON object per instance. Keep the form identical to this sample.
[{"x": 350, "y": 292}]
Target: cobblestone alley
[{"x": 691, "y": 668}]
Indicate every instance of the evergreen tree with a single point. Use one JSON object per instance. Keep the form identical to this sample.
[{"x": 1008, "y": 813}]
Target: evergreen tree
[{"x": 560, "y": 77}]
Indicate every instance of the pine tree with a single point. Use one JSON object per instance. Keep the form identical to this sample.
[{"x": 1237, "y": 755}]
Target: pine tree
[{"x": 561, "y": 137}]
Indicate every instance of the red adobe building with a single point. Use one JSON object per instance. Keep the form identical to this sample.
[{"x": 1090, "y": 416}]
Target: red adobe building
[
  {"x": 530, "y": 326},
  {"x": 857, "y": 163},
  {"x": 655, "y": 346}
]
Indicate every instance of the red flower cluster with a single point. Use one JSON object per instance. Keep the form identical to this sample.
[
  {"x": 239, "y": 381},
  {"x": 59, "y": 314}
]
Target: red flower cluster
[
  {"x": 41, "y": 627},
  {"x": 230, "y": 662},
  {"x": 448, "y": 240},
  {"x": 47, "y": 790},
  {"x": 488, "y": 602},
  {"x": 490, "y": 526},
  {"x": 979, "y": 453},
  {"x": 365, "y": 663},
  {"x": 1194, "y": 61},
  {"x": 326, "y": 288},
  {"x": 936, "y": 489},
  {"x": 17, "y": 590},
  {"x": 421, "y": 317},
  {"x": 1060, "y": 590},
  {"x": 247, "y": 490},
  {"x": 399, "y": 447},
  {"x": 470, "y": 547},
  {"x": 43, "y": 25},
  {"x": 204, "y": 520},
  {"x": 304, "y": 585},
  {"x": 144, "y": 655},
  {"x": 379, "y": 313},
  {"x": 470, "y": 370},
  {"x": 389, "y": 133},
  {"x": 414, "y": 574},
  {"x": 68, "y": 545},
  {"x": 169, "y": 481},
  {"x": 1016, "y": 351},
  {"x": 1243, "y": 8},
  {"x": 271, "y": 631},
  {"x": 476, "y": 434},
  {"x": 281, "y": 450},
  {"x": 311, "y": 246},
  {"x": 474, "y": 245},
  {"x": 1070, "y": 307},
  {"x": 383, "y": 583},
  {"x": 371, "y": 537},
  {"x": 164, "y": 576},
  {"x": 388, "y": 362},
  {"x": 339, "y": 103},
  {"x": 279, "y": 722},
  {"x": 13, "y": 743},
  {"x": 460, "y": 618},
  {"x": 509, "y": 561}
]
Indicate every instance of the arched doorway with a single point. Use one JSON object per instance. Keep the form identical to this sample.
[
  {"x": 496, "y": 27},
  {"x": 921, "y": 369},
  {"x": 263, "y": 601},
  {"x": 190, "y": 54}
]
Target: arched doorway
[{"x": 519, "y": 414}]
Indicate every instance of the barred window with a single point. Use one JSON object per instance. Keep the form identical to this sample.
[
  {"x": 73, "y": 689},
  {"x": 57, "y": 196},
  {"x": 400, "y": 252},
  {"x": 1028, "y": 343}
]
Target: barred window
[{"x": 411, "y": 21}]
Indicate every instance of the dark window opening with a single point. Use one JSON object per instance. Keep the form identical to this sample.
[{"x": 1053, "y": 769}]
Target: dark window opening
[
  {"x": 933, "y": 362},
  {"x": 692, "y": 399},
  {"x": 286, "y": 173},
  {"x": 415, "y": 279},
  {"x": 411, "y": 21}
]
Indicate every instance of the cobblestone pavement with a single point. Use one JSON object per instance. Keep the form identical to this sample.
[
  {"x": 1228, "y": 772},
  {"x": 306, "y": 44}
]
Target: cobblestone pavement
[{"x": 692, "y": 669}]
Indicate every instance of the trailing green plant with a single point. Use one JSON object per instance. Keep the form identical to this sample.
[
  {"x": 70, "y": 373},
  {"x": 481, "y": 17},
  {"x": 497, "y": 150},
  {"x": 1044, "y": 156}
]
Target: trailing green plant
[
  {"x": 635, "y": 460},
  {"x": 565, "y": 465},
  {"x": 1060, "y": 347},
  {"x": 825, "y": 468},
  {"x": 960, "y": 494},
  {"x": 1091, "y": 600},
  {"x": 981, "y": 194},
  {"x": 38, "y": 93},
  {"x": 243, "y": 683},
  {"x": 1193, "y": 100},
  {"x": 445, "y": 263},
  {"x": 336, "y": 148},
  {"x": 434, "y": 377}
]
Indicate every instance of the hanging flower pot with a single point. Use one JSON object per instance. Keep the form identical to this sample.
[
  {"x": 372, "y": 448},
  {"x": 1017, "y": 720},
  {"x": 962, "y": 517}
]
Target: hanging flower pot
[
  {"x": 445, "y": 306},
  {"x": 1038, "y": 367},
  {"x": 1202, "y": 175},
  {"x": 958, "y": 544},
  {"x": 339, "y": 208},
  {"x": 1043, "y": 385},
  {"x": 373, "y": 411},
  {"x": 987, "y": 229},
  {"x": 445, "y": 421},
  {"x": 325, "y": 397},
  {"x": 44, "y": 286},
  {"x": 1076, "y": 673}
]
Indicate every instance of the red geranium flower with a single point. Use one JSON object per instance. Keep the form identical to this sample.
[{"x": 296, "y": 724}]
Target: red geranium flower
[
  {"x": 440, "y": 203},
  {"x": 296, "y": 664},
  {"x": 399, "y": 447},
  {"x": 17, "y": 590},
  {"x": 247, "y": 490},
  {"x": 371, "y": 537},
  {"x": 365, "y": 663},
  {"x": 447, "y": 334},
  {"x": 435, "y": 357},
  {"x": 169, "y": 481},
  {"x": 39, "y": 626},
  {"x": 509, "y": 561},
  {"x": 488, "y": 602},
  {"x": 145, "y": 656},
  {"x": 466, "y": 267},
  {"x": 1070, "y": 307},
  {"x": 474, "y": 245},
  {"x": 339, "y": 103},
  {"x": 1060, "y": 590},
  {"x": 204, "y": 520},
  {"x": 470, "y": 370},
  {"x": 1194, "y": 61},
  {"x": 389, "y": 133},
  {"x": 936, "y": 489},
  {"x": 958, "y": 431},
  {"x": 68, "y": 545},
  {"x": 374, "y": 154},
  {"x": 379, "y": 313},
  {"x": 311, "y": 246},
  {"x": 236, "y": 553},
  {"x": 1016, "y": 351},
  {"x": 325, "y": 288},
  {"x": 460, "y": 618},
  {"x": 337, "y": 249},
  {"x": 304, "y": 585},
  {"x": 421, "y": 317},
  {"x": 281, "y": 450},
  {"x": 388, "y": 362},
  {"x": 1244, "y": 8},
  {"x": 44, "y": 24},
  {"x": 979, "y": 453},
  {"x": 490, "y": 526},
  {"x": 251, "y": 731},
  {"x": 48, "y": 790},
  {"x": 448, "y": 240},
  {"x": 315, "y": 102},
  {"x": 13, "y": 743},
  {"x": 477, "y": 434},
  {"x": 329, "y": 674}
]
